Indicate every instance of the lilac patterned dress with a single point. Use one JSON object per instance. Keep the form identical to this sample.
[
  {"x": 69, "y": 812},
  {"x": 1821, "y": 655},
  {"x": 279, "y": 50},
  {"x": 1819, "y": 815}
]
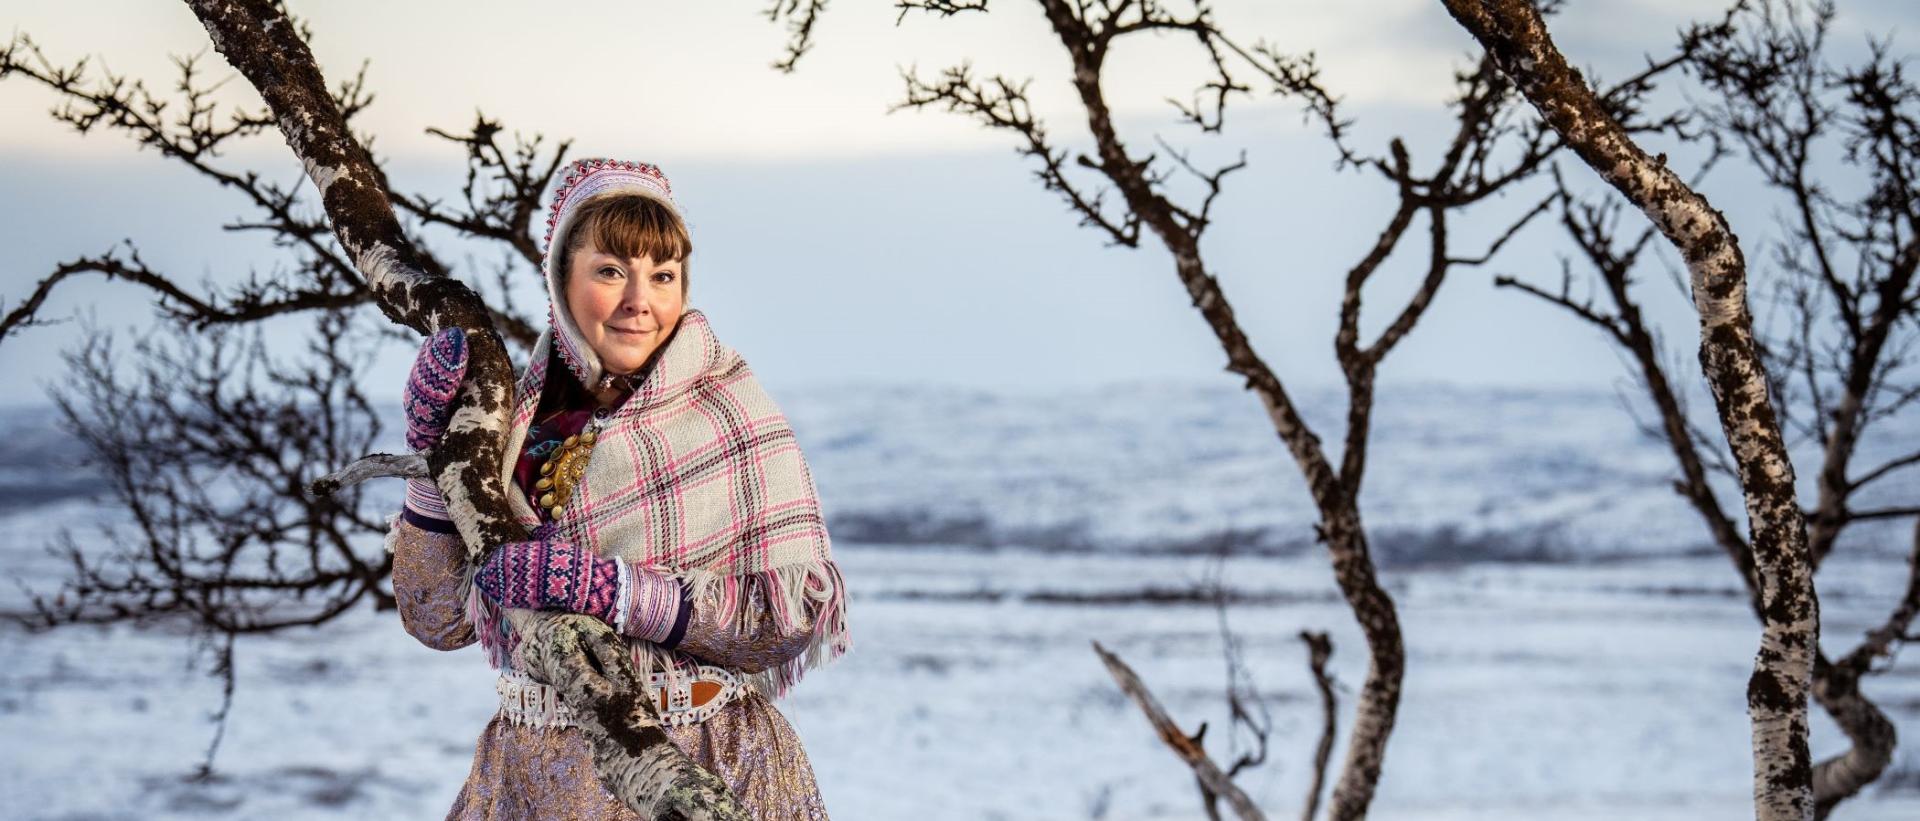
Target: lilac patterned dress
[{"x": 525, "y": 772}]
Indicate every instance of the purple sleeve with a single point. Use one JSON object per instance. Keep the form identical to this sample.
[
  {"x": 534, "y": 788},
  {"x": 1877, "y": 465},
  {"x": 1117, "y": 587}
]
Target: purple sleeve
[
  {"x": 427, "y": 571},
  {"x": 750, "y": 643}
]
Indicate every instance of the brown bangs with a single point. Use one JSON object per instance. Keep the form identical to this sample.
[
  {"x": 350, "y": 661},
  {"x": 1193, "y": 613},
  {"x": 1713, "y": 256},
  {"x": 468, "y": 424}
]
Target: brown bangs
[{"x": 629, "y": 226}]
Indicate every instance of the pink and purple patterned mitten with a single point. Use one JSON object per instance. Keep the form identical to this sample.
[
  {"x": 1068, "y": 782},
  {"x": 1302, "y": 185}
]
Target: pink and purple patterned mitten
[
  {"x": 547, "y": 573},
  {"x": 428, "y": 401},
  {"x": 551, "y": 574},
  {"x": 435, "y": 378}
]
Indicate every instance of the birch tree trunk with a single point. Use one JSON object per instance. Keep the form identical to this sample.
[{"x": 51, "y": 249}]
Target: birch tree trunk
[
  {"x": 581, "y": 656},
  {"x": 1513, "y": 32}
]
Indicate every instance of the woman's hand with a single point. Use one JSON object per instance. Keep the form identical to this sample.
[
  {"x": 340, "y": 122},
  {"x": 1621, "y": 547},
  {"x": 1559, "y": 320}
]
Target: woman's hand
[
  {"x": 428, "y": 401},
  {"x": 548, "y": 573},
  {"x": 431, "y": 385},
  {"x": 551, "y": 574}
]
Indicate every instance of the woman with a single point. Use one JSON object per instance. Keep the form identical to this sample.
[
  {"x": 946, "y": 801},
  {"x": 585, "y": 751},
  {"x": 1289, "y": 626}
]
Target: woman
[{"x": 667, "y": 496}]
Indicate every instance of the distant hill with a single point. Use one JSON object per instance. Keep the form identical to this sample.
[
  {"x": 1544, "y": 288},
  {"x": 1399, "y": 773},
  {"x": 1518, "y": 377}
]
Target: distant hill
[{"x": 1455, "y": 474}]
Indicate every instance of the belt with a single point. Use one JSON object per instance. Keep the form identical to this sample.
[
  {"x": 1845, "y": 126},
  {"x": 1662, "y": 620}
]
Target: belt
[{"x": 699, "y": 693}]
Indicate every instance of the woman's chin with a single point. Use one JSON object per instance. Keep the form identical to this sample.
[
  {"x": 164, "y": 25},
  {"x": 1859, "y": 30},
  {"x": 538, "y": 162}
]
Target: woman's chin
[{"x": 624, "y": 361}]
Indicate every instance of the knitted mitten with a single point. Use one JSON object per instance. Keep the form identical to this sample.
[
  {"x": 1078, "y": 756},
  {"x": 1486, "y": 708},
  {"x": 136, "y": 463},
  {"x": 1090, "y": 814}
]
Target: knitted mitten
[
  {"x": 431, "y": 385},
  {"x": 428, "y": 400},
  {"x": 552, "y": 574}
]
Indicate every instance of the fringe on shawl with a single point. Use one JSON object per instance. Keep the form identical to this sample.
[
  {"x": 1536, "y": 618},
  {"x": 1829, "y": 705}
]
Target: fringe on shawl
[
  {"x": 490, "y": 626},
  {"x": 789, "y": 594}
]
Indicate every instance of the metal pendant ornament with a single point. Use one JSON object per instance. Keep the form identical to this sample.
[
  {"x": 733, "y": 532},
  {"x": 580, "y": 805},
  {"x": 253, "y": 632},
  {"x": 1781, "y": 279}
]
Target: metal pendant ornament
[{"x": 561, "y": 473}]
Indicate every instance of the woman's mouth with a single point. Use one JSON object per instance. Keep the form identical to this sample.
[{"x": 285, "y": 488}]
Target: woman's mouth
[{"x": 627, "y": 333}]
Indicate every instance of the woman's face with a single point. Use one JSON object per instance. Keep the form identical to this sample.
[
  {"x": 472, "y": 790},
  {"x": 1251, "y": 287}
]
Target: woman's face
[{"x": 624, "y": 307}]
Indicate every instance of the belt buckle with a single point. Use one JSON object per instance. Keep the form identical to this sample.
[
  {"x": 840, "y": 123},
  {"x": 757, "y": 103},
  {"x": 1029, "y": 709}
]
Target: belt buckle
[
  {"x": 695, "y": 697},
  {"x": 699, "y": 693}
]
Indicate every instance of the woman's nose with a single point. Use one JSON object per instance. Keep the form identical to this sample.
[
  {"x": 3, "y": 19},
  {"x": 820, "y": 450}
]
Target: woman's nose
[{"x": 634, "y": 299}]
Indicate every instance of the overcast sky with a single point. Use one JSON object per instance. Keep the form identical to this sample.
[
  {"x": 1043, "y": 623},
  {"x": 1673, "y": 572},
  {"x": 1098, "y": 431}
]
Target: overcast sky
[{"x": 836, "y": 242}]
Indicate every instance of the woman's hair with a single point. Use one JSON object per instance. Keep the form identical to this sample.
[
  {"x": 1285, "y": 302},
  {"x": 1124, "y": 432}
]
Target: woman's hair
[{"x": 629, "y": 225}]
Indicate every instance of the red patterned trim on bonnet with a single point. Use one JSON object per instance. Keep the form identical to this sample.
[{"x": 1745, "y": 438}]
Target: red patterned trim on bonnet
[
  {"x": 583, "y": 181},
  {"x": 584, "y": 178}
]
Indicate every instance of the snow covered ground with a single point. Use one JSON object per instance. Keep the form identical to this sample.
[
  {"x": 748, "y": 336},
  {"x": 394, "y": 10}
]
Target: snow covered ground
[{"x": 1572, "y": 653}]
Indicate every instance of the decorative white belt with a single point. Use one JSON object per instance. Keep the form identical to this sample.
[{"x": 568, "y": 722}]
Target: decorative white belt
[{"x": 699, "y": 693}]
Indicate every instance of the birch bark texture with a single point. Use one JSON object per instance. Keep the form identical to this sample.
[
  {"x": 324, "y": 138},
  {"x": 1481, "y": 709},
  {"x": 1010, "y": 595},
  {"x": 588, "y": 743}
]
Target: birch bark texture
[
  {"x": 582, "y": 657},
  {"x": 1514, "y": 33}
]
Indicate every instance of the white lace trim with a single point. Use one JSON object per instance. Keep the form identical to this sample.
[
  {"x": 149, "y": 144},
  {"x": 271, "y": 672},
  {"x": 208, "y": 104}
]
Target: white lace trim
[
  {"x": 623, "y": 601},
  {"x": 529, "y": 703}
]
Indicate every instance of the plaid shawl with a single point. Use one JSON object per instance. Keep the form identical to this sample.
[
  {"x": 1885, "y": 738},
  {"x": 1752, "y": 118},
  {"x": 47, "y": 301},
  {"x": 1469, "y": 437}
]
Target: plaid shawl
[{"x": 698, "y": 476}]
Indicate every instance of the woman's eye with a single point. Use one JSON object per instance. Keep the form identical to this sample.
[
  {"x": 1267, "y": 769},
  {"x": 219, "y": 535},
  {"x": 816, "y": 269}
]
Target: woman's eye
[
  {"x": 668, "y": 276},
  {"x": 610, "y": 271}
]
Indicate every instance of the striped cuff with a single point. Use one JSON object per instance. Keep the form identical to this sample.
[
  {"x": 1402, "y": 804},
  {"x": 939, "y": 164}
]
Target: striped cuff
[
  {"x": 425, "y": 508},
  {"x": 655, "y": 608}
]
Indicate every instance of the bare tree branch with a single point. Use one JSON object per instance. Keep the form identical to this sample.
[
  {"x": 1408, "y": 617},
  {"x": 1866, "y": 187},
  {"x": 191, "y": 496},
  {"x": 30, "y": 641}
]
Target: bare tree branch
[
  {"x": 1319, "y": 650},
  {"x": 323, "y": 277},
  {"x": 373, "y": 466},
  {"x": 800, "y": 16},
  {"x": 1883, "y": 469},
  {"x": 1188, "y": 748},
  {"x": 1883, "y": 513},
  {"x": 1001, "y": 103}
]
